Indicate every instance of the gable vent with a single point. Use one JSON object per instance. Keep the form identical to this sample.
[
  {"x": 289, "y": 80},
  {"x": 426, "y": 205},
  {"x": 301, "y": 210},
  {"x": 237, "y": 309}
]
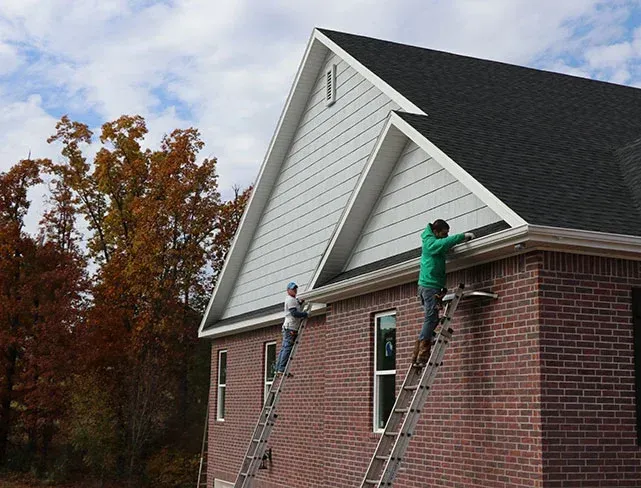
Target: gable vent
[{"x": 330, "y": 85}]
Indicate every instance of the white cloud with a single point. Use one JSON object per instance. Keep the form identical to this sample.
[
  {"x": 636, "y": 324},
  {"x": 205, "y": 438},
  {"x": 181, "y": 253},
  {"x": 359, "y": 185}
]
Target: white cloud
[
  {"x": 9, "y": 59},
  {"x": 226, "y": 67},
  {"x": 609, "y": 56}
]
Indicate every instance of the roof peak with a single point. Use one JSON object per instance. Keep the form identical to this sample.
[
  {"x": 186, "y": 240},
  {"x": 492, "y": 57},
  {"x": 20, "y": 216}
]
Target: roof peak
[{"x": 334, "y": 35}]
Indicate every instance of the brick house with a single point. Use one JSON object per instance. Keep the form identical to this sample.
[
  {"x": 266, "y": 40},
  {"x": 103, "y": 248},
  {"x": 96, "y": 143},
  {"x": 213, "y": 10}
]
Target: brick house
[{"x": 541, "y": 387}]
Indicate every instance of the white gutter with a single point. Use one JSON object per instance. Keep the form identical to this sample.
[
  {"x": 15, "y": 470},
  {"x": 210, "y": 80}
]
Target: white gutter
[
  {"x": 254, "y": 323},
  {"x": 518, "y": 240}
]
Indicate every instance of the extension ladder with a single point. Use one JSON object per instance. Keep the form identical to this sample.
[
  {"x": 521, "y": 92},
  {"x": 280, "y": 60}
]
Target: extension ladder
[
  {"x": 410, "y": 401},
  {"x": 258, "y": 444},
  {"x": 204, "y": 452}
]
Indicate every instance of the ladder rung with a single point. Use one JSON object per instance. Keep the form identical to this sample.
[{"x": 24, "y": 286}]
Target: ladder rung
[
  {"x": 392, "y": 434},
  {"x": 411, "y": 387},
  {"x": 401, "y": 410},
  {"x": 381, "y": 458},
  {"x": 371, "y": 482}
]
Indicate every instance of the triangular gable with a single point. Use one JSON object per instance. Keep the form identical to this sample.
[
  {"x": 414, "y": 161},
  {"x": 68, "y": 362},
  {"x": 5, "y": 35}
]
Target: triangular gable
[
  {"x": 349, "y": 249},
  {"x": 281, "y": 145}
]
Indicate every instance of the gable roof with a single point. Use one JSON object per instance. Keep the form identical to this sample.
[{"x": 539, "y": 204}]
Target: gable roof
[
  {"x": 544, "y": 143},
  {"x": 548, "y": 152}
]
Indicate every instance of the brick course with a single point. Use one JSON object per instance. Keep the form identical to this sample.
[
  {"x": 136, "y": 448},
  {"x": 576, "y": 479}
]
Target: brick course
[{"x": 527, "y": 397}]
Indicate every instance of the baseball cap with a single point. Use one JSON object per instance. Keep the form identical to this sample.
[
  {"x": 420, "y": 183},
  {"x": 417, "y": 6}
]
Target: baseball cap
[{"x": 291, "y": 285}]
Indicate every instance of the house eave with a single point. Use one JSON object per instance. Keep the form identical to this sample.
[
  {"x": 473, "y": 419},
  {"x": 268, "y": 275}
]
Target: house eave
[
  {"x": 518, "y": 240},
  {"x": 506, "y": 243},
  {"x": 253, "y": 324}
]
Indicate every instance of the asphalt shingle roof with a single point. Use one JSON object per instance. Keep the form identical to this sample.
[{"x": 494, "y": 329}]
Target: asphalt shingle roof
[{"x": 557, "y": 149}]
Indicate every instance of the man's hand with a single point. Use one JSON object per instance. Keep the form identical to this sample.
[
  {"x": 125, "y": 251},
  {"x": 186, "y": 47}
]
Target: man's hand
[{"x": 469, "y": 236}]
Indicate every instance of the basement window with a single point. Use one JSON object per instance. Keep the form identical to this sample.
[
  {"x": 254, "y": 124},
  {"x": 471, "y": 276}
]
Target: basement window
[
  {"x": 636, "y": 325},
  {"x": 222, "y": 385},
  {"x": 384, "y": 368},
  {"x": 330, "y": 86}
]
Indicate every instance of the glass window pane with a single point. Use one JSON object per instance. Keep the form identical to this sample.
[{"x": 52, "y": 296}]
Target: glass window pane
[
  {"x": 386, "y": 397},
  {"x": 222, "y": 371},
  {"x": 386, "y": 343},
  {"x": 270, "y": 362},
  {"x": 221, "y": 402}
]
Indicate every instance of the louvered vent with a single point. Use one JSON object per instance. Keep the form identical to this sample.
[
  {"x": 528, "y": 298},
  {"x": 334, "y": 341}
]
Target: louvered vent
[{"x": 330, "y": 85}]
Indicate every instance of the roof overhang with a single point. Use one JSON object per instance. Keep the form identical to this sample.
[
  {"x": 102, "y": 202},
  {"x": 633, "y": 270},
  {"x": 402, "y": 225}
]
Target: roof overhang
[{"x": 510, "y": 242}]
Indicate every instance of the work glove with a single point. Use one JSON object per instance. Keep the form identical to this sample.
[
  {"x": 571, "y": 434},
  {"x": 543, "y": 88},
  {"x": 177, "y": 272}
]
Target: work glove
[{"x": 469, "y": 236}]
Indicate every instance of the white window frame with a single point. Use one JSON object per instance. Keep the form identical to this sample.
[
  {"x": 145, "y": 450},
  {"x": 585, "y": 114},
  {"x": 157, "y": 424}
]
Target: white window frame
[
  {"x": 387, "y": 372},
  {"x": 267, "y": 384},
  {"x": 222, "y": 483},
  {"x": 220, "y": 405}
]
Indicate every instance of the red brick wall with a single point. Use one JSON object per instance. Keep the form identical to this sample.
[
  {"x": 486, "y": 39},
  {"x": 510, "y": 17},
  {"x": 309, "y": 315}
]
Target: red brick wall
[
  {"x": 483, "y": 425},
  {"x": 588, "y": 403},
  {"x": 299, "y": 410}
]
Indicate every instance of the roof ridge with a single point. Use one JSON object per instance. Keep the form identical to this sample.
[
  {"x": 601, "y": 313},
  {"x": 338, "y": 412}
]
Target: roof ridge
[{"x": 329, "y": 32}]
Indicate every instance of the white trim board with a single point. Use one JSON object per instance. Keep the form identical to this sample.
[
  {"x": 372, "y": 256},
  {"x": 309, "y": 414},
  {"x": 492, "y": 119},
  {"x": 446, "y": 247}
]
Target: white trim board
[
  {"x": 255, "y": 323},
  {"x": 486, "y": 249}
]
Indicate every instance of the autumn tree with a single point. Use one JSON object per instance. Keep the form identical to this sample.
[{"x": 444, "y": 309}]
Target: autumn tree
[
  {"x": 157, "y": 227},
  {"x": 41, "y": 282},
  {"x": 14, "y": 206}
]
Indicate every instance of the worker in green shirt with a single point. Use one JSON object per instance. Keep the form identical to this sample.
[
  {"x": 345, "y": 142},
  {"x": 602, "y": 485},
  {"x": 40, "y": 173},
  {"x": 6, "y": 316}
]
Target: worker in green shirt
[{"x": 436, "y": 244}]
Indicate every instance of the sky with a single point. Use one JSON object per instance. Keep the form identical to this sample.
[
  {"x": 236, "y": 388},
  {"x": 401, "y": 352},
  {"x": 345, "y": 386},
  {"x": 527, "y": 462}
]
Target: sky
[{"x": 226, "y": 67}]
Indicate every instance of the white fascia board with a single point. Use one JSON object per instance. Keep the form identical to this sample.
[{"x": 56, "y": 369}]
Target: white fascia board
[
  {"x": 518, "y": 240},
  {"x": 306, "y": 75},
  {"x": 486, "y": 196},
  {"x": 465, "y": 255},
  {"x": 255, "y": 323},
  {"x": 394, "y": 95},
  {"x": 584, "y": 242},
  {"x": 509, "y": 242},
  {"x": 390, "y": 144}
]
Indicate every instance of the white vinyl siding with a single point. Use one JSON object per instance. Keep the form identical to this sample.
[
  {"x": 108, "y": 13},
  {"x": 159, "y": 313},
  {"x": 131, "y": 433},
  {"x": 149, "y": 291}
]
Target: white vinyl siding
[
  {"x": 327, "y": 154},
  {"x": 418, "y": 191}
]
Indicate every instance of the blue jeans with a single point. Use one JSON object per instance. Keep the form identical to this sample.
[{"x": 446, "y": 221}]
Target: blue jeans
[
  {"x": 289, "y": 336},
  {"x": 428, "y": 300}
]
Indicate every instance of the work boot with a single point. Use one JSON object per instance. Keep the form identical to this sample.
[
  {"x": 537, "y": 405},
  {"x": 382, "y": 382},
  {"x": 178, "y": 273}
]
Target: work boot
[
  {"x": 424, "y": 352},
  {"x": 417, "y": 345}
]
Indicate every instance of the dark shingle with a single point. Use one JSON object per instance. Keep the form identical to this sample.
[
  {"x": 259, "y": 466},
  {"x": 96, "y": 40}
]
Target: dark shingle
[{"x": 544, "y": 143}]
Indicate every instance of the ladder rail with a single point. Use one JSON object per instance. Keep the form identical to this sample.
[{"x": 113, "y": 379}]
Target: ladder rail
[
  {"x": 202, "y": 451},
  {"x": 266, "y": 420},
  {"x": 409, "y": 420}
]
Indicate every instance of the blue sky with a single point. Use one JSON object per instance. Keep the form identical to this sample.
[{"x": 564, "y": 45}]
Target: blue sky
[{"x": 226, "y": 67}]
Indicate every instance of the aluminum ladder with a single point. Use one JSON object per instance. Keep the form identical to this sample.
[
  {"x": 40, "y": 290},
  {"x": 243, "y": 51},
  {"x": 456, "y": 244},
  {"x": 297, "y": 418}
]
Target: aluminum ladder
[
  {"x": 204, "y": 453},
  {"x": 410, "y": 400},
  {"x": 258, "y": 444}
]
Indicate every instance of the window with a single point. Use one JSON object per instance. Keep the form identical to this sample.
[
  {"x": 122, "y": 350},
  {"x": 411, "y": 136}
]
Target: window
[
  {"x": 222, "y": 484},
  {"x": 330, "y": 85},
  {"x": 270, "y": 367},
  {"x": 222, "y": 384},
  {"x": 636, "y": 326},
  {"x": 384, "y": 368}
]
